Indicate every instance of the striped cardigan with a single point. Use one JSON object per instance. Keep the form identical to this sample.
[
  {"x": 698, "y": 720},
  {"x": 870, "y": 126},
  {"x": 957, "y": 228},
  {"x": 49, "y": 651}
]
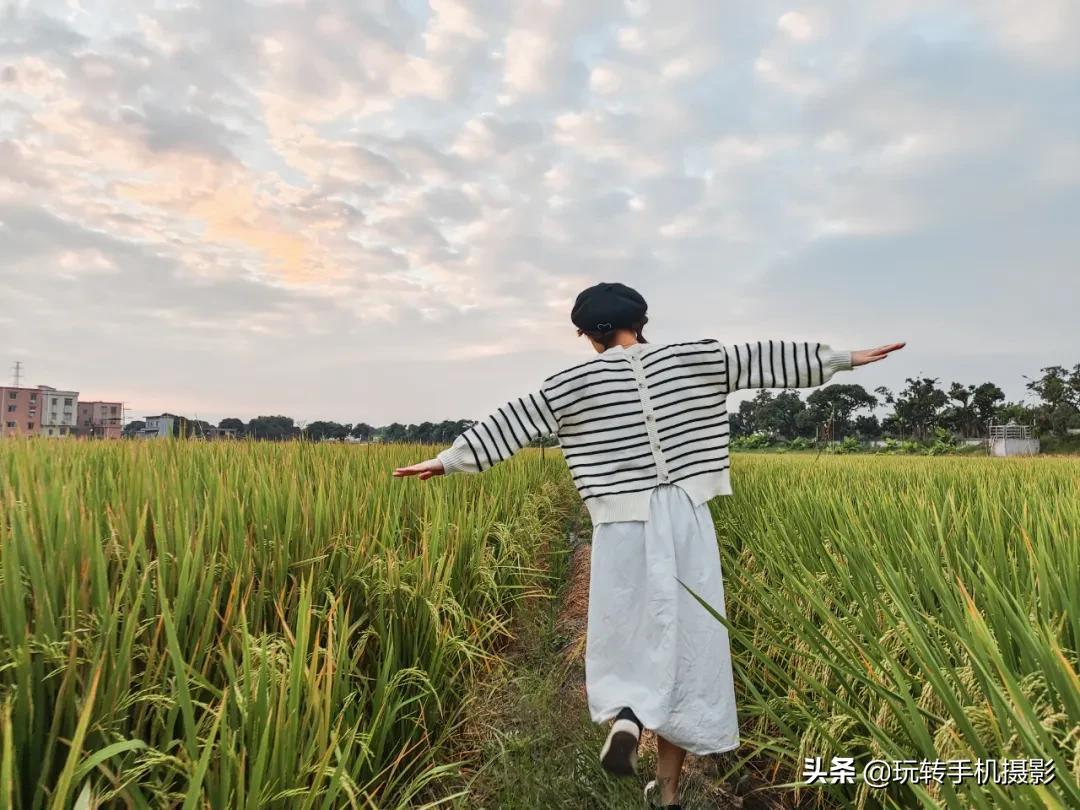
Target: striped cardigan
[{"x": 643, "y": 415}]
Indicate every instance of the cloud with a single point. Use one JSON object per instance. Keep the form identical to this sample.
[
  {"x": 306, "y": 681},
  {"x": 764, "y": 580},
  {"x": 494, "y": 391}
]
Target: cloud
[
  {"x": 799, "y": 25},
  {"x": 1042, "y": 32},
  {"x": 296, "y": 207}
]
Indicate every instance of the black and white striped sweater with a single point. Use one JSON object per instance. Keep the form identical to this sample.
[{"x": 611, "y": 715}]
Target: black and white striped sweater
[{"x": 642, "y": 415}]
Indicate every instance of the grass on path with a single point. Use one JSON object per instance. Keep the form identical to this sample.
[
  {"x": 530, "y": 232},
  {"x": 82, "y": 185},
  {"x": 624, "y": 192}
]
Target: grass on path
[{"x": 529, "y": 729}]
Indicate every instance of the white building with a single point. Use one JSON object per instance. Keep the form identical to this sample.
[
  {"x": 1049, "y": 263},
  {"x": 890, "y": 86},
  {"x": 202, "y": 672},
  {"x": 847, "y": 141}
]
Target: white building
[
  {"x": 1013, "y": 440},
  {"x": 59, "y": 411},
  {"x": 158, "y": 427}
]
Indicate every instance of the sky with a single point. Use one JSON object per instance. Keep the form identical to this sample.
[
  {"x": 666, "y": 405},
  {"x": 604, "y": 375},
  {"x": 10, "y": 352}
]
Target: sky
[{"x": 382, "y": 210}]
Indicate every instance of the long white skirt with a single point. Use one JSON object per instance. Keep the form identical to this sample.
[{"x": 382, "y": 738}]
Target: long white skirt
[{"x": 649, "y": 644}]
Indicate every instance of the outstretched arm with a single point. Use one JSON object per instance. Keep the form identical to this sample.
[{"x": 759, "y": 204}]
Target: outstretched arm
[
  {"x": 493, "y": 439},
  {"x": 792, "y": 364}
]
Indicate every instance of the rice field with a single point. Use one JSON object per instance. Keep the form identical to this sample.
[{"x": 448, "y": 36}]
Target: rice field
[
  {"x": 907, "y": 609},
  {"x": 242, "y": 625}
]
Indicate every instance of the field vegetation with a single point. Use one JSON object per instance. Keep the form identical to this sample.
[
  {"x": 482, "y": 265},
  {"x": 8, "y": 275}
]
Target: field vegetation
[
  {"x": 907, "y": 609},
  {"x": 248, "y": 625},
  {"x": 284, "y": 625}
]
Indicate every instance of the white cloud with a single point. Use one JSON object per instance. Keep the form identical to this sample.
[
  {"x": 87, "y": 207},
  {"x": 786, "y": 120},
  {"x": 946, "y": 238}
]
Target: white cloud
[
  {"x": 527, "y": 60},
  {"x": 631, "y": 39},
  {"x": 604, "y": 79},
  {"x": 798, "y": 25},
  {"x": 265, "y": 185},
  {"x": 1041, "y": 31}
]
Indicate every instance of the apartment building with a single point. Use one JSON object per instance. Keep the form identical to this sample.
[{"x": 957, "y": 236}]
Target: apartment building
[
  {"x": 160, "y": 426},
  {"x": 100, "y": 420},
  {"x": 58, "y": 411},
  {"x": 20, "y": 411}
]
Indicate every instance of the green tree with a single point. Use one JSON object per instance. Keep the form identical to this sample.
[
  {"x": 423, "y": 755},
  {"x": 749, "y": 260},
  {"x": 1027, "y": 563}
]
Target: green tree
[
  {"x": 395, "y": 432},
  {"x": 737, "y": 423},
  {"x": 866, "y": 426},
  {"x": 751, "y": 413},
  {"x": 423, "y": 433},
  {"x": 320, "y": 430},
  {"x": 960, "y": 416},
  {"x": 985, "y": 401},
  {"x": 449, "y": 430},
  {"x": 195, "y": 428},
  {"x": 838, "y": 403},
  {"x": 1017, "y": 412},
  {"x": 918, "y": 406},
  {"x": 806, "y": 424},
  {"x": 781, "y": 417},
  {"x": 273, "y": 428},
  {"x": 776, "y": 415},
  {"x": 973, "y": 407},
  {"x": 363, "y": 431},
  {"x": 1059, "y": 392}
]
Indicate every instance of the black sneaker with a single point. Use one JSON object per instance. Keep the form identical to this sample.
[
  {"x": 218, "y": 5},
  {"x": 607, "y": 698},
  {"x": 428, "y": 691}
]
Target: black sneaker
[{"x": 619, "y": 754}]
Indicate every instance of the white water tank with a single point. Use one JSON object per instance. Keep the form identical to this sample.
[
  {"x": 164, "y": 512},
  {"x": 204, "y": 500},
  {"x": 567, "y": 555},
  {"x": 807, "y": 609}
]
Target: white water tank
[{"x": 1012, "y": 440}]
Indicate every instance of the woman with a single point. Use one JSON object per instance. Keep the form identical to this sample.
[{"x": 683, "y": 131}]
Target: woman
[{"x": 644, "y": 430}]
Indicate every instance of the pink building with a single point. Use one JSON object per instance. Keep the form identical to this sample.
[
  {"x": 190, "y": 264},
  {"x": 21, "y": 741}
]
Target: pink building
[
  {"x": 20, "y": 411},
  {"x": 100, "y": 420}
]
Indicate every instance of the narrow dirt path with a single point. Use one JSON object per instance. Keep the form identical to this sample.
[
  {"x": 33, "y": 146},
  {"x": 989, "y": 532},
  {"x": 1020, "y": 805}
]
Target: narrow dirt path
[
  {"x": 702, "y": 787},
  {"x": 527, "y": 735}
]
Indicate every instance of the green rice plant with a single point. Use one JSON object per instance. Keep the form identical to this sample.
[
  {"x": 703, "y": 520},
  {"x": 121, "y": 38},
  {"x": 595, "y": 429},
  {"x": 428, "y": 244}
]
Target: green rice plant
[
  {"x": 284, "y": 625},
  {"x": 907, "y": 608},
  {"x": 245, "y": 625}
]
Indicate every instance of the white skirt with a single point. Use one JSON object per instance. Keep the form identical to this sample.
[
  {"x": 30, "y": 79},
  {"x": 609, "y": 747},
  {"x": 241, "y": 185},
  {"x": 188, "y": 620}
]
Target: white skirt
[{"x": 650, "y": 645}]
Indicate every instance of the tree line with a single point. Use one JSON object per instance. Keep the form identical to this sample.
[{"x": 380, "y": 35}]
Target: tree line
[
  {"x": 915, "y": 412},
  {"x": 281, "y": 428}
]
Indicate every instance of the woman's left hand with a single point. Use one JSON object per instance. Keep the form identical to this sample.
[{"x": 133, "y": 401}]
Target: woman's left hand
[
  {"x": 864, "y": 356},
  {"x": 425, "y": 469}
]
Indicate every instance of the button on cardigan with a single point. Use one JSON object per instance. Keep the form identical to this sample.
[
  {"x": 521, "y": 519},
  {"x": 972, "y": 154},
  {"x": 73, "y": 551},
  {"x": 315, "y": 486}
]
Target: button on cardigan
[{"x": 643, "y": 415}]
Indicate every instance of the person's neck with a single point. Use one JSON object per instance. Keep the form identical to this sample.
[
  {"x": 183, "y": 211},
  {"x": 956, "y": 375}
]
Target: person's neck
[{"x": 623, "y": 342}]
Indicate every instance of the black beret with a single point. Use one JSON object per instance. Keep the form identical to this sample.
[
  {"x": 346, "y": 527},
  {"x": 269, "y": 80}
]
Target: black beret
[{"x": 607, "y": 306}]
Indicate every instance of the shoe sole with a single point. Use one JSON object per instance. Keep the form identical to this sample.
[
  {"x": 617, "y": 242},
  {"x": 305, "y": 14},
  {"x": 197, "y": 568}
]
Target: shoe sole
[{"x": 620, "y": 754}]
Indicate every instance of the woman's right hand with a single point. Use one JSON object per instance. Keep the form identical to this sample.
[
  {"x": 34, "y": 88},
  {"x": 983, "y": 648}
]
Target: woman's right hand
[
  {"x": 425, "y": 469},
  {"x": 864, "y": 356}
]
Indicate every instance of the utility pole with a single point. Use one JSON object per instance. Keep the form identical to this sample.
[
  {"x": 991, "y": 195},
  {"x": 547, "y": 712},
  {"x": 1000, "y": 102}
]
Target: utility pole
[
  {"x": 125, "y": 409},
  {"x": 18, "y": 373}
]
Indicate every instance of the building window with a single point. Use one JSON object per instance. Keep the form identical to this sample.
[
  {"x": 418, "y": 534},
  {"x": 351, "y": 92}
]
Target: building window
[
  {"x": 11, "y": 424},
  {"x": 13, "y": 394},
  {"x": 67, "y": 400},
  {"x": 11, "y": 409},
  {"x": 29, "y": 425},
  {"x": 33, "y": 397}
]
